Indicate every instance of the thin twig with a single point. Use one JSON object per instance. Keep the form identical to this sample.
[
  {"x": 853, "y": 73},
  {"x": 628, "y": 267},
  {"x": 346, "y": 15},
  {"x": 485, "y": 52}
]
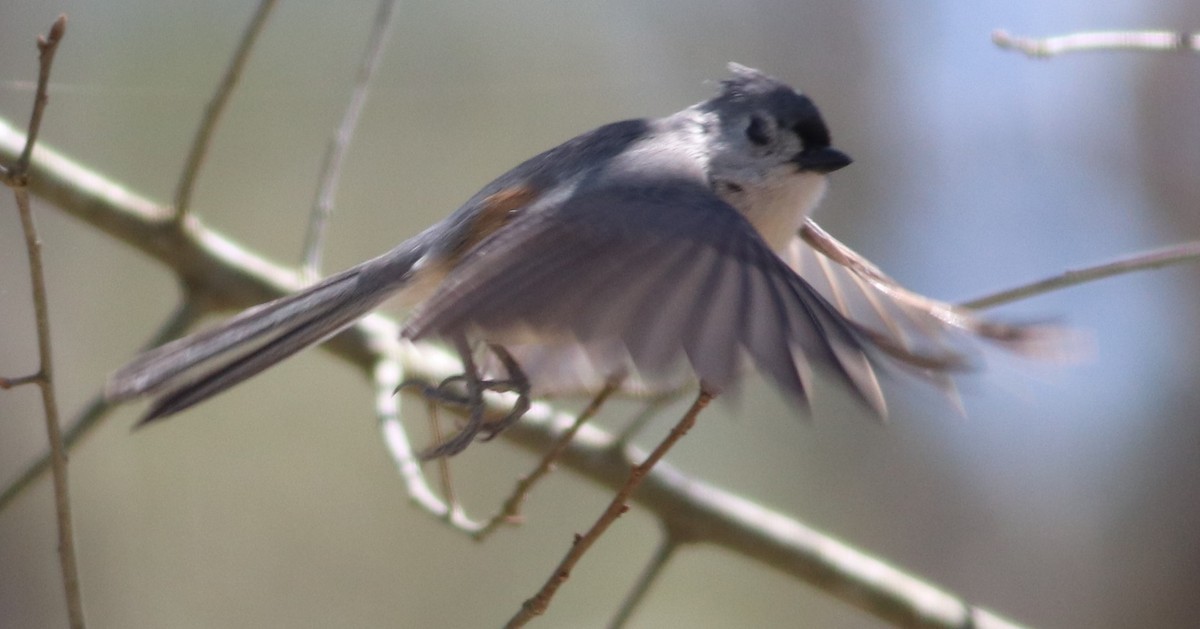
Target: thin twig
[
  {"x": 98, "y": 407},
  {"x": 1155, "y": 259},
  {"x": 537, "y": 605},
  {"x": 45, "y": 382},
  {"x": 335, "y": 154},
  {"x": 215, "y": 107},
  {"x": 8, "y": 383},
  {"x": 649, "y": 575},
  {"x": 443, "y": 463},
  {"x": 18, "y": 178},
  {"x": 47, "y": 46},
  {"x": 1096, "y": 41},
  {"x": 511, "y": 510}
]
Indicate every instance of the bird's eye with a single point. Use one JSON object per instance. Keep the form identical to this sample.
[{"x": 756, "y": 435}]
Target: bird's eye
[{"x": 759, "y": 132}]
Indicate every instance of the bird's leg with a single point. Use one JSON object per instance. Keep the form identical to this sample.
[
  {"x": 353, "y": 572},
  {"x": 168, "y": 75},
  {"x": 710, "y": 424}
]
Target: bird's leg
[
  {"x": 472, "y": 400},
  {"x": 517, "y": 381},
  {"x": 466, "y": 390}
]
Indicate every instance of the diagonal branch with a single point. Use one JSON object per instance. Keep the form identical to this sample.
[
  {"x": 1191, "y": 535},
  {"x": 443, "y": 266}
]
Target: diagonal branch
[
  {"x": 216, "y": 106},
  {"x": 511, "y": 509},
  {"x": 537, "y": 605},
  {"x": 335, "y": 154}
]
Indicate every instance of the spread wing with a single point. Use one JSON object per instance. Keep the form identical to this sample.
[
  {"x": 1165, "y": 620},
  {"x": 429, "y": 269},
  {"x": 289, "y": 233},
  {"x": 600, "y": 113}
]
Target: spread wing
[
  {"x": 907, "y": 320},
  {"x": 640, "y": 280}
]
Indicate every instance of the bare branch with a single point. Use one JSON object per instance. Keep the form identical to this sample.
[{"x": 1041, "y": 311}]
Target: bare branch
[
  {"x": 9, "y": 383},
  {"x": 17, "y": 177},
  {"x": 45, "y": 382},
  {"x": 700, "y": 512},
  {"x": 217, "y": 270},
  {"x": 47, "y": 46},
  {"x": 1158, "y": 258},
  {"x": 537, "y": 605},
  {"x": 335, "y": 154},
  {"x": 1097, "y": 41},
  {"x": 215, "y": 107}
]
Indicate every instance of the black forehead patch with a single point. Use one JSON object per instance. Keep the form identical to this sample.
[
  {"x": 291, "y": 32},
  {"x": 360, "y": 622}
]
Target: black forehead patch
[{"x": 750, "y": 89}]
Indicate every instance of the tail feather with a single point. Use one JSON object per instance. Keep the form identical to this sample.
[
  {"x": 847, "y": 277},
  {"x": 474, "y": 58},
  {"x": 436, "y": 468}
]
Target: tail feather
[
  {"x": 250, "y": 361},
  {"x": 158, "y": 367},
  {"x": 187, "y": 371}
]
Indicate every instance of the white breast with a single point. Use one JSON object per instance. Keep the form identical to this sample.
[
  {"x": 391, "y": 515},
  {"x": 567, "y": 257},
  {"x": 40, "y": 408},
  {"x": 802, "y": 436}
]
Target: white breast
[{"x": 777, "y": 211}]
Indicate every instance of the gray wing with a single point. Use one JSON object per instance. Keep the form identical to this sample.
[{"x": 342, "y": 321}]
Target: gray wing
[{"x": 641, "y": 279}]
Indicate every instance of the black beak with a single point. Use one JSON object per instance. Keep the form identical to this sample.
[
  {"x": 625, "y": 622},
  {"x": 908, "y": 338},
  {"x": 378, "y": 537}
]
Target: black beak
[{"x": 821, "y": 160}]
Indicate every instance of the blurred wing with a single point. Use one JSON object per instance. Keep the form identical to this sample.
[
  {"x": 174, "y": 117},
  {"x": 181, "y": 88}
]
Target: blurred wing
[
  {"x": 908, "y": 321},
  {"x": 640, "y": 279}
]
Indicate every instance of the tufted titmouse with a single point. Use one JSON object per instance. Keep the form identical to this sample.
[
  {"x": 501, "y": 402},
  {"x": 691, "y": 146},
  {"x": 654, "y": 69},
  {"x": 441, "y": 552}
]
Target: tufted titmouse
[{"x": 645, "y": 252}]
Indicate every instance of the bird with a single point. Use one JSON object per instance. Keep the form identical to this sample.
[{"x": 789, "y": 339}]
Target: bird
[{"x": 647, "y": 253}]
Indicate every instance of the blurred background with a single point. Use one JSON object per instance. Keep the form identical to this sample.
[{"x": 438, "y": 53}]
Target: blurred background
[{"x": 1065, "y": 498}]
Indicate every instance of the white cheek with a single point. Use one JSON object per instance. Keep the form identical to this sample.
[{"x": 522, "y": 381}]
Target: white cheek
[{"x": 778, "y": 211}]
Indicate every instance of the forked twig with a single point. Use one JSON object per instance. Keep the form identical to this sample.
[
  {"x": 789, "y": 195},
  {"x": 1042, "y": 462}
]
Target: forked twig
[
  {"x": 537, "y": 605},
  {"x": 45, "y": 383},
  {"x": 17, "y": 178},
  {"x": 512, "y": 506},
  {"x": 1097, "y": 41},
  {"x": 47, "y": 46},
  {"x": 335, "y": 154},
  {"x": 215, "y": 107}
]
